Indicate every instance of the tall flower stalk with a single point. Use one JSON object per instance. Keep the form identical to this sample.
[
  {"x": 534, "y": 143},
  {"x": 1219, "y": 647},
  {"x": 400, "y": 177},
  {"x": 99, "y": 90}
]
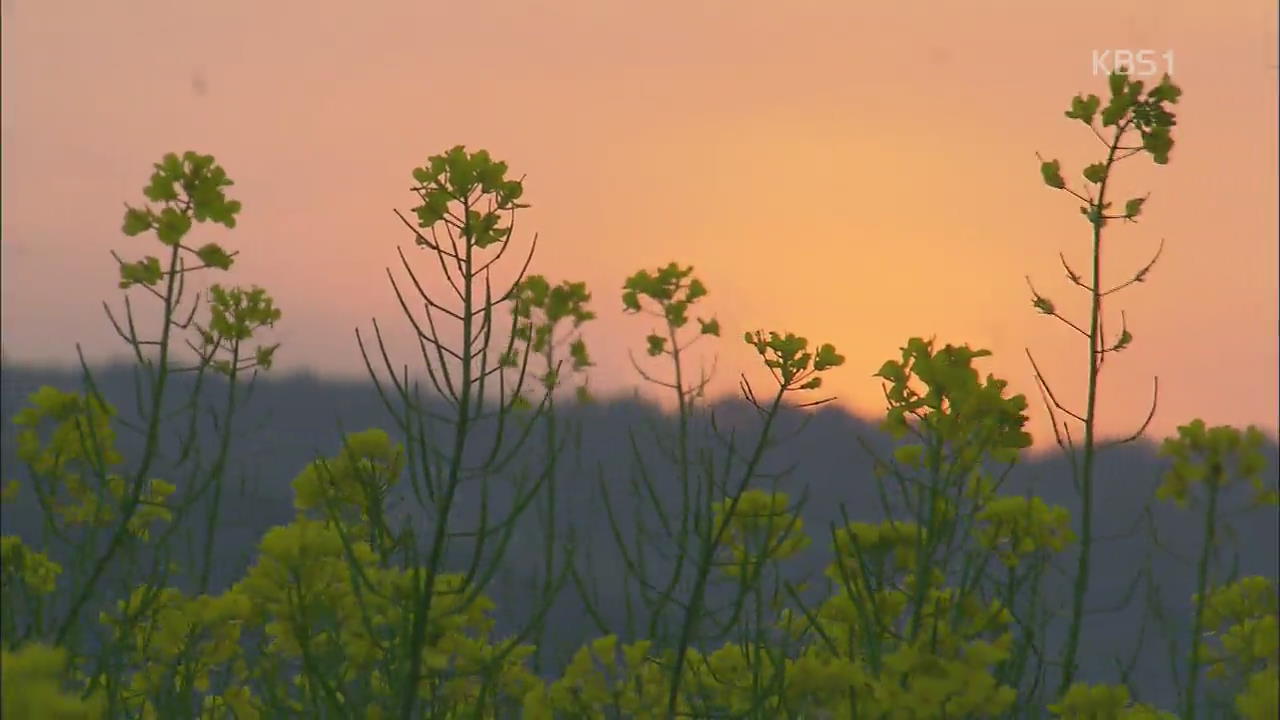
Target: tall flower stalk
[{"x": 1128, "y": 112}]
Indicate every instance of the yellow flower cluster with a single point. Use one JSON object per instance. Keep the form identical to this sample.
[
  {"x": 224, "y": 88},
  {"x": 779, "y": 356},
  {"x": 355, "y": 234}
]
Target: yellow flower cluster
[
  {"x": 21, "y": 564},
  {"x": 83, "y": 440},
  {"x": 604, "y": 680},
  {"x": 761, "y": 529},
  {"x": 889, "y": 548},
  {"x": 1103, "y": 702},
  {"x": 917, "y": 682},
  {"x": 1015, "y": 527},
  {"x": 33, "y": 682},
  {"x": 355, "y": 483},
  {"x": 1201, "y": 456},
  {"x": 1261, "y": 697},
  {"x": 1242, "y": 616},
  {"x": 160, "y": 629}
]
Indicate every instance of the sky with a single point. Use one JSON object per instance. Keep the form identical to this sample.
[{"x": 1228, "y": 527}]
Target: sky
[{"x": 858, "y": 173}]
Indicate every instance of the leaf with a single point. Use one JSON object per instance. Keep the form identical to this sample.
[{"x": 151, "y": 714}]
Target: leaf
[
  {"x": 161, "y": 189},
  {"x": 827, "y": 358},
  {"x": 1166, "y": 91},
  {"x": 136, "y": 221},
  {"x": 1158, "y": 142},
  {"x": 265, "y": 355},
  {"x": 1117, "y": 81},
  {"x": 170, "y": 165},
  {"x": 1051, "y": 171},
  {"x": 146, "y": 272},
  {"x": 578, "y": 351},
  {"x": 631, "y": 301},
  {"x": 214, "y": 256},
  {"x": 891, "y": 371},
  {"x": 1043, "y": 304},
  {"x": 1133, "y": 208},
  {"x": 172, "y": 226},
  {"x": 1095, "y": 173},
  {"x": 1116, "y": 110},
  {"x": 1083, "y": 109}
]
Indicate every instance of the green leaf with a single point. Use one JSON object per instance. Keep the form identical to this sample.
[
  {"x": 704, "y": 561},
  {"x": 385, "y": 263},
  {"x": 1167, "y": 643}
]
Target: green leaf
[
  {"x": 657, "y": 344},
  {"x": 827, "y": 358},
  {"x": 891, "y": 371},
  {"x": 710, "y": 327},
  {"x": 1043, "y": 304},
  {"x": 1166, "y": 91},
  {"x": 1115, "y": 110},
  {"x": 1095, "y": 173},
  {"x": 631, "y": 301},
  {"x": 265, "y": 355},
  {"x": 578, "y": 351},
  {"x": 1083, "y": 109},
  {"x": 675, "y": 313},
  {"x": 1158, "y": 142},
  {"x": 170, "y": 165},
  {"x": 512, "y": 190},
  {"x": 1051, "y": 171},
  {"x": 696, "y": 290},
  {"x": 146, "y": 272},
  {"x": 214, "y": 256},
  {"x": 136, "y": 221},
  {"x": 1133, "y": 208},
  {"x": 172, "y": 226},
  {"x": 1117, "y": 81},
  {"x": 161, "y": 189}
]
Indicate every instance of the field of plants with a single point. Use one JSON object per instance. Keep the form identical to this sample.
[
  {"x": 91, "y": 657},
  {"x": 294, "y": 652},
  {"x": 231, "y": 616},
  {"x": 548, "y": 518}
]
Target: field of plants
[{"x": 965, "y": 601}]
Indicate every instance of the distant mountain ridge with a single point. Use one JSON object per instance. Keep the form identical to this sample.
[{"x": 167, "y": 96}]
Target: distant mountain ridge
[{"x": 292, "y": 420}]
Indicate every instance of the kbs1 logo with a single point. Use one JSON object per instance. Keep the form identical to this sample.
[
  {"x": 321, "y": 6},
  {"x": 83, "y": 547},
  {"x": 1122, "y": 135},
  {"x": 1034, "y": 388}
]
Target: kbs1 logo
[{"x": 1133, "y": 62}]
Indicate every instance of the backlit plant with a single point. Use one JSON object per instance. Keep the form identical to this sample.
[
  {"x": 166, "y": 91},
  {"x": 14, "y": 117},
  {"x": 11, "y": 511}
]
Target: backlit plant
[{"x": 374, "y": 602}]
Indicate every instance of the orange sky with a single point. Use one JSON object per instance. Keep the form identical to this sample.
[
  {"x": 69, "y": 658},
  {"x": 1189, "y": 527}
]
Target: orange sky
[{"x": 855, "y": 172}]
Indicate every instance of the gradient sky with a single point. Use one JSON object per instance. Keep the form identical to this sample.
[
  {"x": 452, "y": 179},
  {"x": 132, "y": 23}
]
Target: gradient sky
[{"x": 852, "y": 171}]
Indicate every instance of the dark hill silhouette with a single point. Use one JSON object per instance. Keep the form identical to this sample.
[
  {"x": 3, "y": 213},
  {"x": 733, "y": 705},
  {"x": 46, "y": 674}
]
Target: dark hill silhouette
[{"x": 291, "y": 420}]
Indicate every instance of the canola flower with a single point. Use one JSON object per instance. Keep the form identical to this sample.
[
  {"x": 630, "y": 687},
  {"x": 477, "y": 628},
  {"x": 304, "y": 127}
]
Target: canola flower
[{"x": 316, "y": 626}]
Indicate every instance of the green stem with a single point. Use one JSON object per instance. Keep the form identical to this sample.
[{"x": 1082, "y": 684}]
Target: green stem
[
  {"x": 139, "y": 479},
  {"x": 682, "y": 445},
  {"x": 219, "y": 467},
  {"x": 422, "y": 612},
  {"x": 1202, "y": 581},
  {"x": 1081, "y": 587},
  {"x": 694, "y": 609},
  {"x": 548, "y": 550}
]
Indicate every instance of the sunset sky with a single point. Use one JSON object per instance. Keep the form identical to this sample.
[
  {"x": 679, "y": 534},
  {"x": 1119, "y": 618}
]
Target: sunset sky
[{"x": 856, "y": 172}]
